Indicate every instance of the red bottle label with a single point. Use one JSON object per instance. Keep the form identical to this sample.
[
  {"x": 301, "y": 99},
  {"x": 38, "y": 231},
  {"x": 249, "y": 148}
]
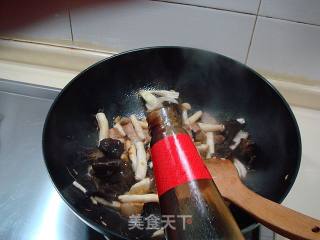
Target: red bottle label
[{"x": 176, "y": 161}]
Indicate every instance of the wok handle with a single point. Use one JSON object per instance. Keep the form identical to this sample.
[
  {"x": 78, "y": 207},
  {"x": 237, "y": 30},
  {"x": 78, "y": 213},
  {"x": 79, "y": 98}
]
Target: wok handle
[{"x": 280, "y": 219}]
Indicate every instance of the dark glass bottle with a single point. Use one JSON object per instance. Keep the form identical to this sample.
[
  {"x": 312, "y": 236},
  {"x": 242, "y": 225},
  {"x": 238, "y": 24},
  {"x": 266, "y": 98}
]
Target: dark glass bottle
[{"x": 189, "y": 199}]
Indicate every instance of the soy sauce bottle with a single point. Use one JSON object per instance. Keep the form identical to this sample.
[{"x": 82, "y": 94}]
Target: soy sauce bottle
[{"x": 191, "y": 206}]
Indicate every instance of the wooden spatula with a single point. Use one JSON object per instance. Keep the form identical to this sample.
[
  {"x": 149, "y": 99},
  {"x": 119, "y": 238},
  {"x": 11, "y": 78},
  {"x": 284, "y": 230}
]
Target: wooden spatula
[{"x": 286, "y": 222}]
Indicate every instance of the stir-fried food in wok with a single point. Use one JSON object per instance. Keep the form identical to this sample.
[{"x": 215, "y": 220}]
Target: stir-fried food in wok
[{"x": 119, "y": 171}]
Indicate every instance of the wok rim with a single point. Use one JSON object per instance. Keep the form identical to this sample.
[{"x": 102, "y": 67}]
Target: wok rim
[{"x": 105, "y": 230}]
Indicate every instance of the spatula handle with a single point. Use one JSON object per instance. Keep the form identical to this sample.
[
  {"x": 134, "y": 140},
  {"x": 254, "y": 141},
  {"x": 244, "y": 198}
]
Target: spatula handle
[{"x": 286, "y": 222}]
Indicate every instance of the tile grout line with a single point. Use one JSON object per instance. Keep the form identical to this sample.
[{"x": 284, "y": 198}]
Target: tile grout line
[
  {"x": 48, "y": 44},
  {"x": 289, "y": 20},
  {"x": 206, "y": 7},
  {"x": 235, "y": 11},
  {"x": 253, "y": 29},
  {"x": 70, "y": 24}
]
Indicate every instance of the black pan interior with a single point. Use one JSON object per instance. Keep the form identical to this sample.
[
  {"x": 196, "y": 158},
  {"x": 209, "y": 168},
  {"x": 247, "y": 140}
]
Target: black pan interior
[{"x": 208, "y": 81}]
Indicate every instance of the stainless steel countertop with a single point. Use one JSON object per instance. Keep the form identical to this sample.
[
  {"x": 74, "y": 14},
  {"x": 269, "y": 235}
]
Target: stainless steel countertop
[{"x": 30, "y": 207}]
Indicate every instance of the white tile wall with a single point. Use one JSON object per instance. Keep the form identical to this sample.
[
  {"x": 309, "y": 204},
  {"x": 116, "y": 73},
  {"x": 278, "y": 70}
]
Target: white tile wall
[
  {"x": 286, "y": 48},
  {"x": 304, "y": 196},
  {"x": 247, "y": 6},
  {"x": 278, "y": 46},
  {"x": 307, "y": 11},
  {"x": 149, "y": 23},
  {"x": 52, "y": 28}
]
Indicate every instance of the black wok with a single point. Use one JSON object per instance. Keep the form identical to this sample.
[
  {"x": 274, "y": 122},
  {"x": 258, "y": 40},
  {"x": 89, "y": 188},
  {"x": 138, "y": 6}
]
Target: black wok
[{"x": 208, "y": 81}]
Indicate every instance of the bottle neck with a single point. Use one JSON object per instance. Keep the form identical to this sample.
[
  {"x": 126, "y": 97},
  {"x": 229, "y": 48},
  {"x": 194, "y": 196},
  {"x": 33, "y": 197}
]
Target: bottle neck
[
  {"x": 175, "y": 159},
  {"x": 164, "y": 122}
]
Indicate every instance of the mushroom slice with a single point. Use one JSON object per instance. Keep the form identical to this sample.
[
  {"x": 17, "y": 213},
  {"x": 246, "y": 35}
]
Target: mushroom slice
[
  {"x": 144, "y": 124},
  {"x": 141, "y": 168},
  {"x": 130, "y": 132},
  {"x": 120, "y": 129},
  {"x": 141, "y": 187},
  {"x": 93, "y": 200},
  {"x": 167, "y": 99},
  {"x": 124, "y": 120},
  {"x": 207, "y": 127},
  {"x": 103, "y": 126},
  {"x": 166, "y": 93},
  {"x": 124, "y": 157},
  {"x": 241, "y": 120},
  {"x": 102, "y": 201},
  {"x": 240, "y": 135},
  {"x": 149, "y": 97},
  {"x": 185, "y": 117},
  {"x": 242, "y": 170},
  {"x": 137, "y": 127},
  {"x": 152, "y": 102},
  {"x": 79, "y": 186},
  {"x": 117, "y": 119},
  {"x": 185, "y": 108},
  {"x": 133, "y": 157},
  {"x": 127, "y": 145},
  {"x": 145, "y": 198},
  {"x": 115, "y": 134},
  {"x": 194, "y": 117},
  {"x": 158, "y": 233},
  {"x": 210, "y": 142}
]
